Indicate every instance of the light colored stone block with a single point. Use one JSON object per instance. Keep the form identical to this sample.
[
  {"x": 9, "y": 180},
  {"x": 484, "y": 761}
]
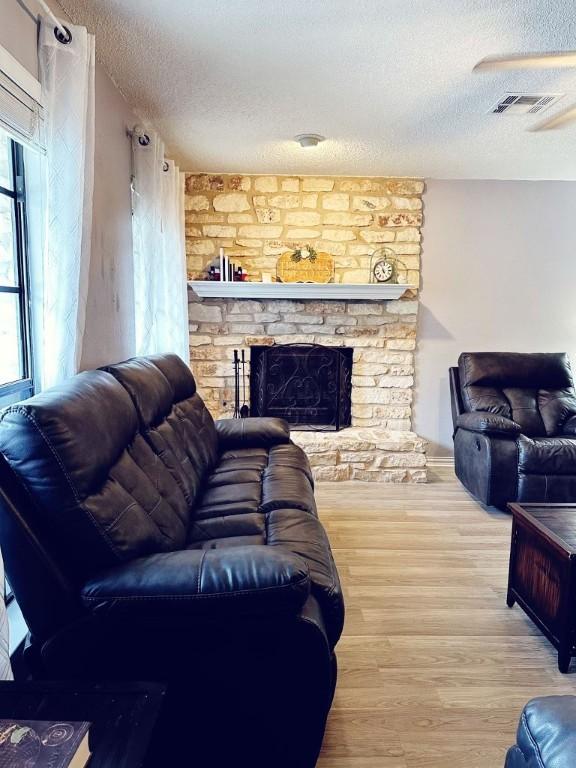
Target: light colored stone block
[
  {"x": 406, "y": 203},
  {"x": 310, "y": 201},
  {"x": 349, "y": 219},
  {"x": 196, "y": 203},
  {"x": 260, "y": 230},
  {"x": 336, "y": 202},
  {"x": 218, "y": 230},
  {"x": 200, "y": 247},
  {"x": 302, "y": 234},
  {"x": 302, "y": 218},
  {"x": 377, "y": 236},
  {"x": 267, "y": 215},
  {"x": 365, "y": 308},
  {"x": 235, "y": 202},
  {"x": 302, "y": 317},
  {"x": 197, "y": 340},
  {"x": 370, "y": 203},
  {"x": 338, "y": 235},
  {"x": 240, "y": 218},
  {"x": 290, "y": 185},
  {"x": 266, "y": 184},
  {"x": 284, "y": 201},
  {"x": 310, "y": 184}
]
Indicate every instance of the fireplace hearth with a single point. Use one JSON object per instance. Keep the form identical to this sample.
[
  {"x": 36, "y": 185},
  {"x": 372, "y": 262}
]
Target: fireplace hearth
[{"x": 308, "y": 385}]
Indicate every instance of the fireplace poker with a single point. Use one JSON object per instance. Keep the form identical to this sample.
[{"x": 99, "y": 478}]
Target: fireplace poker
[
  {"x": 236, "y": 385},
  {"x": 244, "y": 411}
]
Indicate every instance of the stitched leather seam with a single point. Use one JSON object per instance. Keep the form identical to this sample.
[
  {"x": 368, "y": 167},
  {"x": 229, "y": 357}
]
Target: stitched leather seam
[
  {"x": 532, "y": 740},
  {"x": 199, "y": 595}
]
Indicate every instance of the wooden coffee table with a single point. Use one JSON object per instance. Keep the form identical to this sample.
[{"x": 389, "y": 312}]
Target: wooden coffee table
[{"x": 542, "y": 575}]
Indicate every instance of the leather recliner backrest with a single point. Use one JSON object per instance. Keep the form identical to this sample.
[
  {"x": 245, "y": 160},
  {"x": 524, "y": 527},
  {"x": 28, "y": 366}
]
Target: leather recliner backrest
[
  {"x": 97, "y": 494},
  {"x": 534, "y": 390},
  {"x": 172, "y": 417}
]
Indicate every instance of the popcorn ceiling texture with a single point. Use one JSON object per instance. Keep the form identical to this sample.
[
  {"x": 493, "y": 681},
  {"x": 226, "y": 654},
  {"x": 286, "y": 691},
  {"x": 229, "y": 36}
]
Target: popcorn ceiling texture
[{"x": 257, "y": 218}]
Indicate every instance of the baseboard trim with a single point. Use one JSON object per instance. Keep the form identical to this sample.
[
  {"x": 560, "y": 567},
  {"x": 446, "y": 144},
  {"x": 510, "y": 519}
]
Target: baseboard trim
[{"x": 440, "y": 461}]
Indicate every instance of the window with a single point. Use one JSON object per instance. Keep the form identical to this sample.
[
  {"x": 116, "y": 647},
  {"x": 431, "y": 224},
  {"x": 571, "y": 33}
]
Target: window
[{"x": 16, "y": 376}]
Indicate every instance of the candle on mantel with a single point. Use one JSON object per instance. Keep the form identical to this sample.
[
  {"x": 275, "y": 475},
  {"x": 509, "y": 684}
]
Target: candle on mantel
[{"x": 222, "y": 264}]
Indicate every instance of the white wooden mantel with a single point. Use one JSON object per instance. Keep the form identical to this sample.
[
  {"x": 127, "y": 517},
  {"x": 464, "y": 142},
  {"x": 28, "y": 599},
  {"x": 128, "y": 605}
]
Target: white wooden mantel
[{"x": 342, "y": 291}]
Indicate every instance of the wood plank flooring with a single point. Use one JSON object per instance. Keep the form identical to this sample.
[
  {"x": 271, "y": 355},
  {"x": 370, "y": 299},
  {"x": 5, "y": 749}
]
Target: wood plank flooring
[{"x": 433, "y": 667}]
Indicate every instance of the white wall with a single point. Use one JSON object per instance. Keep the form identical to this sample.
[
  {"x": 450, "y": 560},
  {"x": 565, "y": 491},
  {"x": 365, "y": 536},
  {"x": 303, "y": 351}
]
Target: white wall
[
  {"x": 110, "y": 313},
  {"x": 498, "y": 273}
]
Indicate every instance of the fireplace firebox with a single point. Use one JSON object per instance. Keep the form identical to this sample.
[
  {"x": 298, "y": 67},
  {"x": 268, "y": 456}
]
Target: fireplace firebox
[{"x": 309, "y": 385}]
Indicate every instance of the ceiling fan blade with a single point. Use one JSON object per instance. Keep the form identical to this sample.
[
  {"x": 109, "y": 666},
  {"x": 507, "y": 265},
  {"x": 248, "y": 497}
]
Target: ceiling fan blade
[
  {"x": 558, "y": 59},
  {"x": 560, "y": 119}
]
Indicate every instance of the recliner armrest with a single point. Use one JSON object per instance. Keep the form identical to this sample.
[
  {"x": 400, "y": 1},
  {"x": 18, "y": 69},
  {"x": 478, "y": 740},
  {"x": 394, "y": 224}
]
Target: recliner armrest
[
  {"x": 253, "y": 432},
  {"x": 233, "y": 581},
  {"x": 488, "y": 423}
]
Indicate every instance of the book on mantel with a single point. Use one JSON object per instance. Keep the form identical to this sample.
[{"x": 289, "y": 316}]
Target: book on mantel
[{"x": 43, "y": 744}]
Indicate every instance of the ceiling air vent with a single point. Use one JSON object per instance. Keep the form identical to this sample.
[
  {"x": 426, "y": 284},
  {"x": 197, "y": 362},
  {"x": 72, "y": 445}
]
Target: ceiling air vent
[{"x": 525, "y": 103}]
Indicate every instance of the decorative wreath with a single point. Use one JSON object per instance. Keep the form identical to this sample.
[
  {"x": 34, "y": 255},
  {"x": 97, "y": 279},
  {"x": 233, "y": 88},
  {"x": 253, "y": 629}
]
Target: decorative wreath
[{"x": 305, "y": 252}]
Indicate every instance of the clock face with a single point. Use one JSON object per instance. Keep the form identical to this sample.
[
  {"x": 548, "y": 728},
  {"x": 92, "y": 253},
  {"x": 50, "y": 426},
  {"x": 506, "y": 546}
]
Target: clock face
[{"x": 382, "y": 271}]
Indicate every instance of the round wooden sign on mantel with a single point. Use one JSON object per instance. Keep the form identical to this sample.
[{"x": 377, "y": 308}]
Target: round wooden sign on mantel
[{"x": 320, "y": 269}]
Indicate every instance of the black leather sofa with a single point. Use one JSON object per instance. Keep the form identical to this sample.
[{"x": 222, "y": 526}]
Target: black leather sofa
[
  {"x": 514, "y": 421},
  {"x": 145, "y": 541},
  {"x": 546, "y": 736}
]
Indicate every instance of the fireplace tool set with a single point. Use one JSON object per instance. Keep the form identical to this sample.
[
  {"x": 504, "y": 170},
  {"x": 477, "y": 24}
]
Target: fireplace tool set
[{"x": 240, "y": 412}]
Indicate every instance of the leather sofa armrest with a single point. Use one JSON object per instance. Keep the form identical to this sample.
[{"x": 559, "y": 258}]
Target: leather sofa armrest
[
  {"x": 488, "y": 423},
  {"x": 215, "y": 582},
  {"x": 253, "y": 432},
  {"x": 546, "y": 737}
]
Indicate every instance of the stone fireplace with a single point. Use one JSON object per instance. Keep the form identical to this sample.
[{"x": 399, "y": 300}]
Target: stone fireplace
[
  {"x": 256, "y": 219},
  {"x": 308, "y": 385}
]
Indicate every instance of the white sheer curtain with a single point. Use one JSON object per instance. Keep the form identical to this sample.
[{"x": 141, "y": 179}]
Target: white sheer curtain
[
  {"x": 67, "y": 76},
  {"x": 160, "y": 292}
]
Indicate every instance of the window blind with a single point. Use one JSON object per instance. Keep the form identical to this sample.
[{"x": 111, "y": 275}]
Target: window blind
[{"x": 21, "y": 113}]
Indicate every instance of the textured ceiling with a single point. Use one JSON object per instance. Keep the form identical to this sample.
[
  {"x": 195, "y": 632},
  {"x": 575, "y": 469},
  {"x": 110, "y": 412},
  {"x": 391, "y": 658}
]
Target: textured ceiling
[{"x": 229, "y": 82}]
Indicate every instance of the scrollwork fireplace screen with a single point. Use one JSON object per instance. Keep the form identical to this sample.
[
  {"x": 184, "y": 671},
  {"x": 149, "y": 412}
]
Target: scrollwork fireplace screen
[{"x": 309, "y": 385}]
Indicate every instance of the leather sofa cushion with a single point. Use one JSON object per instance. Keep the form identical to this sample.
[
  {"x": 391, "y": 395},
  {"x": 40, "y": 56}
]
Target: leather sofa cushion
[
  {"x": 547, "y": 455},
  {"x": 218, "y": 582},
  {"x": 173, "y": 418},
  {"x": 546, "y": 736},
  {"x": 251, "y": 432},
  {"x": 93, "y": 481},
  {"x": 517, "y": 386}
]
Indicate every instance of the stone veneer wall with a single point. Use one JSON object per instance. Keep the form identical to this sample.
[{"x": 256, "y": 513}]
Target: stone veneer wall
[
  {"x": 383, "y": 335},
  {"x": 257, "y": 218}
]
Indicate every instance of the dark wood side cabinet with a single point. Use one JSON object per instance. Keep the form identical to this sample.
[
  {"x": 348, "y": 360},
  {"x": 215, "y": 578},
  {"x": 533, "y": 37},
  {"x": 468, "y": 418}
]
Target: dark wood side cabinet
[
  {"x": 542, "y": 572},
  {"x": 123, "y": 715}
]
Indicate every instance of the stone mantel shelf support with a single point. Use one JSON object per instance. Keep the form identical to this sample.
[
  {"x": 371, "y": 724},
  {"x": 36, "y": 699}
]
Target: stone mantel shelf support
[{"x": 340, "y": 291}]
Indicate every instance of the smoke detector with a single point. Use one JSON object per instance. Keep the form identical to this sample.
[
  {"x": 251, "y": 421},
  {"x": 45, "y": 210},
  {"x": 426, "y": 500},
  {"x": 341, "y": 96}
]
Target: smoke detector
[{"x": 525, "y": 103}]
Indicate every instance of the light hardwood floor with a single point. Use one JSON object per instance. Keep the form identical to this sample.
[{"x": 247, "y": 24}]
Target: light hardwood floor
[{"x": 433, "y": 667}]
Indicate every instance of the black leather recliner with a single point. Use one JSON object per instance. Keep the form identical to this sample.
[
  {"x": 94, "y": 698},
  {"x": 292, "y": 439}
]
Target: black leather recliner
[
  {"x": 145, "y": 541},
  {"x": 514, "y": 421},
  {"x": 546, "y": 736}
]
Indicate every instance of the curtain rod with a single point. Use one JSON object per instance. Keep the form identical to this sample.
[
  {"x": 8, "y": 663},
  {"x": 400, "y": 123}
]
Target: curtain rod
[{"x": 48, "y": 11}]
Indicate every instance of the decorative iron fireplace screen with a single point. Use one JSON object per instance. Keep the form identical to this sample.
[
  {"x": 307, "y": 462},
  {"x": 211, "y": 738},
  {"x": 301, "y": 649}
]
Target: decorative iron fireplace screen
[{"x": 309, "y": 385}]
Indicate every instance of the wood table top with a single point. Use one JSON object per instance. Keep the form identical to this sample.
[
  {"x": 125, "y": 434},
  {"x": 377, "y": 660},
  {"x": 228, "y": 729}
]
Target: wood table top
[{"x": 557, "y": 522}]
